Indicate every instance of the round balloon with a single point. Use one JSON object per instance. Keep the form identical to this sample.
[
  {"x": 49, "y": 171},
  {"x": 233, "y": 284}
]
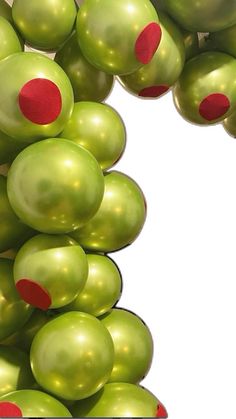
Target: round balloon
[
  {"x": 9, "y": 41},
  {"x": 55, "y": 186},
  {"x": 9, "y": 148},
  {"x": 230, "y": 125},
  {"x": 225, "y": 40},
  {"x": 99, "y": 129}
]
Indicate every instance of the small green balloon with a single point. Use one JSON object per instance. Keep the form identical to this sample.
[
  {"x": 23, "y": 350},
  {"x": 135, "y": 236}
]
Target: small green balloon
[
  {"x": 191, "y": 43},
  {"x": 230, "y": 125},
  {"x": 99, "y": 129},
  {"x": 225, "y": 40},
  {"x": 72, "y": 356},
  {"x": 9, "y": 148},
  {"x": 5, "y": 11},
  {"x": 9, "y": 41}
]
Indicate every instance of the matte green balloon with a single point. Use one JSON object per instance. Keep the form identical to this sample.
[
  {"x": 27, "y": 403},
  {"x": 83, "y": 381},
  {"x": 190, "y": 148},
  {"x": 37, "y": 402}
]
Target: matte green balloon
[
  {"x": 34, "y": 404},
  {"x": 108, "y": 33},
  {"x": 230, "y": 124},
  {"x": 55, "y": 186},
  {"x": 72, "y": 356},
  {"x": 225, "y": 40},
  {"x": 191, "y": 43},
  {"x": 9, "y": 148},
  {"x": 45, "y": 24},
  {"x": 119, "y": 219},
  {"x": 99, "y": 129},
  {"x": 9, "y": 41},
  {"x": 133, "y": 346},
  {"x": 5, "y": 10},
  {"x": 102, "y": 289},
  {"x": 88, "y": 82}
]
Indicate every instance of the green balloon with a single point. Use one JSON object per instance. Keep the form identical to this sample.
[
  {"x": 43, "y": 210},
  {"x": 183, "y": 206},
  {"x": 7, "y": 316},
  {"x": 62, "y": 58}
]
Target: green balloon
[
  {"x": 99, "y": 129},
  {"x": 55, "y": 186},
  {"x": 32, "y": 403},
  {"x": 230, "y": 125},
  {"x": 133, "y": 346},
  {"x": 225, "y": 40},
  {"x": 88, "y": 82},
  {"x": 9, "y": 40},
  {"x": 191, "y": 43},
  {"x": 5, "y": 11},
  {"x": 9, "y": 148},
  {"x": 118, "y": 37},
  {"x": 44, "y": 24},
  {"x": 72, "y": 356},
  {"x": 102, "y": 289},
  {"x": 119, "y": 219}
]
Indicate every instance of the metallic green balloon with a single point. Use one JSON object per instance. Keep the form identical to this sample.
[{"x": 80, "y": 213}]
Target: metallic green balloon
[
  {"x": 72, "y": 356},
  {"x": 5, "y": 11},
  {"x": 9, "y": 148},
  {"x": 45, "y": 24},
  {"x": 118, "y": 37},
  {"x": 102, "y": 289},
  {"x": 55, "y": 186},
  {"x": 34, "y": 404},
  {"x": 191, "y": 43},
  {"x": 37, "y": 96},
  {"x": 225, "y": 40},
  {"x": 9, "y": 41},
  {"x": 119, "y": 219},
  {"x": 133, "y": 346},
  {"x": 99, "y": 129},
  {"x": 88, "y": 82},
  {"x": 230, "y": 124},
  {"x": 204, "y": 93},
  {"x": 50, "y": 271},
  {"x": 120, "y": 400}
]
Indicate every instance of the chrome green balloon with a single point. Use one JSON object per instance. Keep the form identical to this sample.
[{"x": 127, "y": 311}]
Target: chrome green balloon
[
  {"x": 32, "y": 403},
  {"x": 15, "y": 370},
  {"x": 118, "y": 37},
  {"x": 102, "y": 289},
  {"x": 99, "y": 129},
  {"x": 88, "y": 82},
  {"x": 5, "y": 10},
  {"x": 133, "y": 346},
  {"x": 9, "y": 148},
  {"x": 9, "y": 41},
  {"x": 14, "y": 312},
  {"x": 204, "y": 93},
  {"x": 37, "y": 96},
  {"x": 72, "y": 356},
  {"x": 191, "y": 43},
  {"x": 230, "y": 124},
  {"x": 44, "y": 24},
  {"x": 157, "y": 77},
  {"x": 202, "y": 15},
  {"x": 50, "y": 271},
  {"x": 119, "y": 219},
  {"x": 55, "y": 186},
  {"x": 225, "y": 40}
]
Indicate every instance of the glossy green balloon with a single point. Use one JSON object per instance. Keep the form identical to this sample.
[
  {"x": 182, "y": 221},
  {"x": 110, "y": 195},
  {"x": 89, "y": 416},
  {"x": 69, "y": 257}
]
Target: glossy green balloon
[
  {"x": 88, "y": 82},
  {"x": 45, "y": 24},
  {"x": 55, "y": 186},
  {"x": 5, "y": 10},
  {"x": 119, "y": 219},
  {"x": 72, "y": 356},
  {"x": 15, "y": 72},
  {"x": 102, "y": 289},
  {"x": 207, "y": 74},
  {"x": 99, "y": 129},
  {"x": 164, "y": 69},
  {"x": 9, "y": 148},
  {"x": 36, "y": 404},
  {"x": 230, "y": 124},
  {"x": 9, "y": 41},
  {"x": 133, "y": 346},
  {"x": 57, "y": 264},
  {"x": 225, "y": 40},
  {"x": 108, "y": 30},
  {"x": 191, "y": 43},
  {"x": 202, "y": 15}
]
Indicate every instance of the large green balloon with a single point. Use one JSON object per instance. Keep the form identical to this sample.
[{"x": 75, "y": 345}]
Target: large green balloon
[
  {"x": 119, "y": 219},
  {"x": 99, "y": 129},
  {"x": 9, "y": 41},
  {"x": 72, "y": 356},
  {"x": 230, "y": 125},
  {"x": 118, "y": 37},
  {"x": 45, "y": 24},
  {"x": 55, "y": 186},
  {"x": 88, "y": 82},
  {"x": 50, "y": 271},
  {"x": 225, "y": 40},
  {"x": 9, "y": 148},
  {"x": 5, "y": 10}
]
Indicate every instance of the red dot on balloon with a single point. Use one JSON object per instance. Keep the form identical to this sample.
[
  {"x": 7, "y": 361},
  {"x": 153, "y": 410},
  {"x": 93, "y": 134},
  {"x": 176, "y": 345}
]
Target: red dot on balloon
[
  {"x": 147, "y": 43},
  {"x": 33, "y": 293},
  {"x": 214, "y": 106},
  {"x": 154, "y": 91},
  {"x": 10, "y": 410},
  {"x": 161, "y": 412},
  {"x": 40, "y": 101}
]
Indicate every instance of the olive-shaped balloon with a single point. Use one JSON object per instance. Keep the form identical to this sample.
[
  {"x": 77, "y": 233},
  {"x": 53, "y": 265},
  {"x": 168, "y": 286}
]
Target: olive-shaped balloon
[
  {"x": 5, "y": 10},
  {"x": 9, "y": 41},
  {"x": 37, "y": 95},
  {"x": 99, "y": 129},
  {"x": 230, "y": 125},
  {"x": 72, "y": 356},
  {"x": 191, "y": 43},
  {"x": 102, "y": 289},
  {"x": 50, "y": 271},
  {"x": 120, "y": 400},
  {"x": 202, "y": 15},
  {"x": 157, "y": 77},
  {"x": 31, "y": 403},
  {"x": 225, "y": 40},
  {"x": 88, "y": 82},
  {"x": 9, "y": 148},
  {"x": 119, "y": 219},
  {"x": 15, "y": 370},
  {"x": 118, "y": 37},
  {"x": 44, "y": 24},
  {"x": 204, "y": 93},
  {"x": 55, "y": 186},
  {"x": 133, "y": 346}
]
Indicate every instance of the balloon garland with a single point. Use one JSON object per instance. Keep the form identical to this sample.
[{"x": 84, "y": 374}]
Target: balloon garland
[{"x": 63, "y": 210}]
